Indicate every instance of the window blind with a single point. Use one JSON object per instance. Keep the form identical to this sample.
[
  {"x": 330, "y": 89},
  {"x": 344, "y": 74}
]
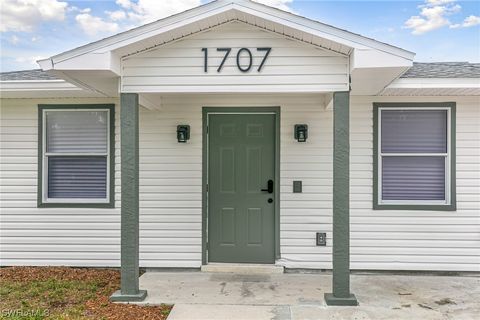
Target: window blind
[
  {"x": 77, "y": 177},
  {"x": 414, "y": 131},
  {"x": 77, "y": 131},
  {"x": 405, "y": 133},
  {"x": 413, "y": 178},
  {"x": 77, "y": 154}
]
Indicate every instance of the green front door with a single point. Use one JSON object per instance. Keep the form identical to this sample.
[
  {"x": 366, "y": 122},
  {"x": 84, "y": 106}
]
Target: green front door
[{"x": 241, "y": 161}]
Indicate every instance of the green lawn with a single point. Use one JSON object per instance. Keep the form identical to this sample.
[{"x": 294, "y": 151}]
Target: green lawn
[{"x": 66, "y": 293}]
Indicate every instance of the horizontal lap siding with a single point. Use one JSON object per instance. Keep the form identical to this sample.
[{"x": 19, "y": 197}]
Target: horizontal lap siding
[
  {"x": 47, "y": 236},
  {"x": 170, "y": 216},
  {"x": 302, "y": 215},
  {"x": 170, "y": 188},
  {"x": 170, "y": 194},
  {"x": 292, "y": 66},
  {"x": 415, "y": 240}
]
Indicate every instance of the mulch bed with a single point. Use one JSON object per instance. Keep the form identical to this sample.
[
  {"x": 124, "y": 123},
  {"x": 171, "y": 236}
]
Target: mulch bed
[{"x": 69, "y": 293}]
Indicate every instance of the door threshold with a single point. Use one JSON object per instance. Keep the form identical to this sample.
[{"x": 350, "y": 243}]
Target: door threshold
[{"x": 242, "y": 268}]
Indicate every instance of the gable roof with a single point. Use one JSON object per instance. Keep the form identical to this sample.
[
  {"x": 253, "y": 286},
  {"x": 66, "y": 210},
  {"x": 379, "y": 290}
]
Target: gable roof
[
  {"x": 443, "y": 70},
  {"x": 97, "y": 66},
  {"x": 222, "y": 11}
]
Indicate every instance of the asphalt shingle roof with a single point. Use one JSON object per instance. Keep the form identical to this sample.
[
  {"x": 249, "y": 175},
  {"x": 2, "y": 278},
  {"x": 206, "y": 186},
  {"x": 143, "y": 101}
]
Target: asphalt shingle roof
[
  {"x": 443, "y": 70},
  {"x": 36, "y": 74}
]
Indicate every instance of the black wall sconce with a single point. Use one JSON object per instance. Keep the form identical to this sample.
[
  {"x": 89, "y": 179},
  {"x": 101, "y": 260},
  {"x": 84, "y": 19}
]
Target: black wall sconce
[
  {"x": 183, "y": 133},
  {"x": 301, "y": 132}
]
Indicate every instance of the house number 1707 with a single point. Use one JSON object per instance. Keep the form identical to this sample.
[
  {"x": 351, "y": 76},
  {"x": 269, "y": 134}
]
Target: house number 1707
[{"x": 242, "y": 52}]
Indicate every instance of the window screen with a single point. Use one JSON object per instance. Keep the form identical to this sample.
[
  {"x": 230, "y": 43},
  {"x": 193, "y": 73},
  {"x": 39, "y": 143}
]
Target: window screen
[
  {"x": 413, "y": 155},
  {"x": 76, "y": 154}
]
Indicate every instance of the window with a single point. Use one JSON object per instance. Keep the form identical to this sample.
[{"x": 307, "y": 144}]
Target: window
[
  {"x": 414, "y": 156},
  {"x": 76, "y": 150}
]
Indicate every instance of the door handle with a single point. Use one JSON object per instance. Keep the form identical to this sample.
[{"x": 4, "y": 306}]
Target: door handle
[{"x": 269, "y": 187}]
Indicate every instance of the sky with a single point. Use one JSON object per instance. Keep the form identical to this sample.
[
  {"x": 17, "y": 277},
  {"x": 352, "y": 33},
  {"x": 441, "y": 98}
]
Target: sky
[{"x": 436, "y": 30}]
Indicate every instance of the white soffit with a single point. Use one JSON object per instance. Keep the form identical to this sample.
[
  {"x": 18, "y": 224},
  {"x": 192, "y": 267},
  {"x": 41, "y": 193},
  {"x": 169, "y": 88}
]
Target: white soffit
[
  {"x": 43, "y": 89},
  {"x": 368, "y": 57},
  {"x": 433, "y": 87},
  {"x": 210, "y": 15}
]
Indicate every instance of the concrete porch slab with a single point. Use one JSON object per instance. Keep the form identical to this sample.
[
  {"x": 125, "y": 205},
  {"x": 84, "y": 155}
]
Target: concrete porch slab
[
  {"x": 201, "y": 295},
  {"x": 234, "y": 289},
  {"x": 242, "y": 268},
  {"x": 228, "y": 311}
]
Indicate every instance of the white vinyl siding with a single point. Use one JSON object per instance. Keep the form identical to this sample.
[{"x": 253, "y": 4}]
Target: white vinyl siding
[
  {"x": 47, "y": 236},
  {"x": 170, "y": 192},
  {"x": 292, "y": 66},
  {"x": 415, "y": 239}
]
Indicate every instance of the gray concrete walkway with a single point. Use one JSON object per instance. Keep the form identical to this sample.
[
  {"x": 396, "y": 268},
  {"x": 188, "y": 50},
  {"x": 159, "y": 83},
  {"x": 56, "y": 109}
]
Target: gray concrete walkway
[{"x": 212, "y": 296}]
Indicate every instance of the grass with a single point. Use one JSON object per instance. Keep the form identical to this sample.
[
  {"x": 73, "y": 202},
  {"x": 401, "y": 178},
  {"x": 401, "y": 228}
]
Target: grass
[{"x": 37, "y": 293}]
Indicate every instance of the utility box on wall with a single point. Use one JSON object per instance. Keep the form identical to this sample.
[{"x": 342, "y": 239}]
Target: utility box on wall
[{"x": 321, "y": 239}]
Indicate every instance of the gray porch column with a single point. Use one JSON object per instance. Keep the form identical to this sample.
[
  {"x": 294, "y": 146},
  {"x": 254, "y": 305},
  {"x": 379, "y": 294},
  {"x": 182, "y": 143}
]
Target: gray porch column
[
  {"x": 341, "y": 295},
  {"x": 130, "y": 193}
]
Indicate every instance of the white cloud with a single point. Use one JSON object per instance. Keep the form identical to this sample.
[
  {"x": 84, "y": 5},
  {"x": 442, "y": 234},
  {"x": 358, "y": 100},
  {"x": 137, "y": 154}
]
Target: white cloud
[
  {"x": 77, "y": 9},
  {"x": 132, "y": 13},
  {"x": 25, "y": 15},
  {"x": 145, "y": 11},
  {"x": 14, "y": 40},
  {"x": 471, "y": 21},
  {"x": 116, "y": 15},
  {"x": 29, "y": 61},
  {"x": 126, "y": 4},
  {"x": 439, "y": 2},
  {"x": 433, "y": 15},
  {"x": 93, "y": 25}
]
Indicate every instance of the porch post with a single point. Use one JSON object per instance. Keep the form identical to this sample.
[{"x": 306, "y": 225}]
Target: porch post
[
  {"x": 130, "y": 193},
  {"x": 341, "y": 295}
]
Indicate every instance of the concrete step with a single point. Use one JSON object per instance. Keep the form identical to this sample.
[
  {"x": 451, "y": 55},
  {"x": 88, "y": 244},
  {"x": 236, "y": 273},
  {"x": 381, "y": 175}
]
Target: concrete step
[{"x": 242, "y": 268}]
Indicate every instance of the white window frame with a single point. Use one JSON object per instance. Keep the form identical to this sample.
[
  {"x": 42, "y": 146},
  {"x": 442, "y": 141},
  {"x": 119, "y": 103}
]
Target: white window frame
[
  {"x": 45, "y": 155},
  {"x": 447, "y": 155}
]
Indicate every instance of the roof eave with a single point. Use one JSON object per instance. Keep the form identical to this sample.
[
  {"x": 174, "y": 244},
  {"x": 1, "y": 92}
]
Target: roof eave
[
  {"x": 191, "y": 16},
  {"x": 422, "y": 83}
]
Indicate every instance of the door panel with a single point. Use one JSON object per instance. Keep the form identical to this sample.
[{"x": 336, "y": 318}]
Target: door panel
[{"x": 241, "y": 159}]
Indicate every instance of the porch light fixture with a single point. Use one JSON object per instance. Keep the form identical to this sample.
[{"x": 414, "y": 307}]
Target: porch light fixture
[
  {"x": 301, "y": 132},
  {"x": 183, "y": 133}
]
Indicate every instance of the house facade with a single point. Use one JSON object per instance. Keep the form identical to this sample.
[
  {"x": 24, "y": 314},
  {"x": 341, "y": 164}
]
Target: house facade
[{"x": 239, "y": 133}]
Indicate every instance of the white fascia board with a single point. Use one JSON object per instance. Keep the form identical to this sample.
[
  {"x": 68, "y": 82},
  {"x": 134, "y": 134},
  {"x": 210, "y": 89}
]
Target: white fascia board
[
  {"x": 35, "y": 85},
  {"x": 434, "y": 83},
  {"x": 27, "y": 89},
  {"x": 372, "y": 70},
  {"x": 106, "y": 61},
  {"x": 319, "y": 29},
  {"x": 211, "y": 9},
  {"x": 143, "y": 32},
  {"x": 371, "y": 58}
]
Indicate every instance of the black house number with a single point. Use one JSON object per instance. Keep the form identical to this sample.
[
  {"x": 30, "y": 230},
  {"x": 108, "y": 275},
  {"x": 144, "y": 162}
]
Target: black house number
[{"x": 243, "y": 52}]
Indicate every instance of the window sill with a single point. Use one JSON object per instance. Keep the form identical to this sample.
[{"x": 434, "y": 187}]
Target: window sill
[
  {"x": 417, "y": 207},
  {"x": 109, "y": 205}
]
